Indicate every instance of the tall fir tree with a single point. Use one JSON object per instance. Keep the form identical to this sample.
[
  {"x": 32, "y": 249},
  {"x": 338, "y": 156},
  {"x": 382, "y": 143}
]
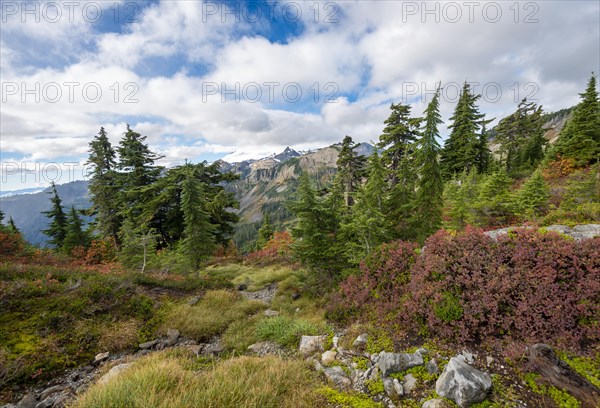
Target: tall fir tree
[
  {"x": 57, "y": 228},
  {"x": 580, "y": 138},
  {"x": 462, "y": 148},
  {"x": 396, "y": 141},
  {"x": 265, "y": 232},
  {"x": 430, "y": 185},
  {"x": 350, "y": 170},
  {"x": 198, "y": 235},
  {"x": 137, "y": 164},
  {"x": 76, "y": 236},
  {"x": 12, "y": 226},
  {"x": 104, "y": 187}
]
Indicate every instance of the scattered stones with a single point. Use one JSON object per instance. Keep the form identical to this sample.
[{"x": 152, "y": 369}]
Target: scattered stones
[
  {"x": 462, "y": 383},
  {"x": 337, "y": 375},
  {"x": 311, "y": 344},
  {"x": 265, "y": 295},
  {"x": 213, "y": 349},
  {"x": 394, "y": 362},
  {"x": 148, "y": 345},
  {"x": 361, "y": 342},
  {"x": 113, "y": 372},
  {"x": 264, "y": 347},
  {"x": 409, "y": 383},
  {"x": 271, "y": 313},
  {"x": 436, "y": 403},
  {"x": 328, "y": 357},
  {"x": 489, "y": 361},
  {"x": 100, "y": 357}
]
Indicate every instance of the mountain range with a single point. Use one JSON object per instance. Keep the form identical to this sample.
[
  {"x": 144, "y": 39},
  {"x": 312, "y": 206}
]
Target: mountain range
[{"x": 263, "y": 187}]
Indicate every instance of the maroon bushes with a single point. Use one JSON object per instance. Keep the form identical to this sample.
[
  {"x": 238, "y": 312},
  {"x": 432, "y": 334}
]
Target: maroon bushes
[{"x": 525, "y": 287}]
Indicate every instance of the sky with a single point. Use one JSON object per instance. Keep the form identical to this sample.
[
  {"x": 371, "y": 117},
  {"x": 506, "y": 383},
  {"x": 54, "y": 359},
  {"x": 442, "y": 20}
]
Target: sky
[{"x": 233, "y": 80}]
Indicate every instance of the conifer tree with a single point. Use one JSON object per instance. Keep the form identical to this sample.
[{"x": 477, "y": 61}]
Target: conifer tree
[
  {"x": 350, "y": 170},
  {"x": 265, "y": 232},
  {"x": 397, "y": 140},
  {"x": 75, "y": 234},
  {"x": 459, "y": 199},
  {"x": 198, "y": 235},
  {"x": 57, "y": 228},
  {"x": 495, "y": 203},
  {"x": 2, "y": 216},
  {"x": 367, "y": 227},
  {"x": 580, "y": 138},
  {"x": 463, "y": 147},
  {"x": 430, "y": 186},
  {"x": 533, "y": 196},
  {"x": 104, "y": 187},
  {"x": 12, "y": 226}
]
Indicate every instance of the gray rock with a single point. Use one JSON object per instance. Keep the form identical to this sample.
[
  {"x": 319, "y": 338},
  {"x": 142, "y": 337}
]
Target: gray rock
[
  {"x": 586, "y": 231},
  {"x": 328, "y": 357},
  {"x": 335, "y": 341},
  {"x": 47, "y": 403},
  {"x": 100, "y": 357},
  {"x": 409, "y": 383},
  {"x": 148, "y": 345},
  {"x": 113, "y": 372},
  {"x": 489, "y": 361},
  {"x": 337, "y": 376},
  {"x": 392, "y": 387},
  {"x": 432, "y": 367},
  {"x": 264, "y": 347},
  {"x": 563, "y": 229},
  {"x": 271, "y": 313},
  {"x": 61, "y": 401},
  {"x": 49, "y": 391},
  {"x": 436, "y": 403},
  {"x": 28, "y": 401},
  {"x": 422, "y": 351},
  {"x": 469, "y": 357},
  {"x": 194, "y": 299},
  {"x": 361, "y": 342},
  {"x": 213, "y": 349},
  {"x": 462, "y": 383},
  {"x": 397, "y": 362},
  {"x": 311, "y": 344}
]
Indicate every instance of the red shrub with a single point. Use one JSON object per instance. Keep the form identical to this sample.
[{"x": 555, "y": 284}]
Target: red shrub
[
  {"x": 525, "y": 287},
  {"x": 11, "y": 244},
  {"x": 278, "y": 249}
]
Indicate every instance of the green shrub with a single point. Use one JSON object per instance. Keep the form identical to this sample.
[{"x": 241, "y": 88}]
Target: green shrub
[{"x": 284, "y": 330}]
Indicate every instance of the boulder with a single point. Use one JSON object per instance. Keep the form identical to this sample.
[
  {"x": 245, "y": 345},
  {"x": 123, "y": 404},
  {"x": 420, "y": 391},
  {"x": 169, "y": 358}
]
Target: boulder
[
  {"x": 172, "y": 337},
  {"x": 436, "y": 403},
  {"x": 271, "y": 313},
  {"x": 392, "y": 387},
  {"x": 100, "y": 357},
  {"x": 409, "y": 383},
  {"x": 28, "y": 401},
  {"x": 361, "y": 342},
  {"x": 469, "y": 357},
  {"x": 61, "y": 401},
  {"x": 49, "y": 391},
  {"x": 148, "y": 345},
  {"x": 337, "y": 375},
  {"x": 311, "y": 344},
  {"x": 397, "y": 362},
  {"x": 213, "y": 349},
  {"x": 328, "y": 357},
  {"x": 462, "y": 383},
  {"x": 432, "y": 367},
  {"x": 113, "y": 372}
]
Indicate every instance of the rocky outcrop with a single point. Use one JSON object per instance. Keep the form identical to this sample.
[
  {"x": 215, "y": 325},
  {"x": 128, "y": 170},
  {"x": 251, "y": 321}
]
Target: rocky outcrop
[
  {"x": 462, "y": 383},
  {"x": 390, "y": 363},
  {"x": 577, "y": 232}
]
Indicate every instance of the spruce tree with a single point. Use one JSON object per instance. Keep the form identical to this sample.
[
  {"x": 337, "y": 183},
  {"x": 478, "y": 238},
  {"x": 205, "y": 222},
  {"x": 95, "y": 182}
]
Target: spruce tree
[
  {"x": 367, "y": 227},
  {"x": 75, "y": 236},
  {"x": 12, "y": 226},
  {"x": 533, "y": 196},
  {"x": 580, "y": 138},
  {"x": 198, "y": 235},
  {"x": 350, "y": 170},
  {"x": 397, "y": 140},
  {"x": 265, "y": 232},
  {"x": 104, "y": 187},
  {"x": 430, "y": 186},
  {"x": 2, "y": 216},
  {"x": 495, "y": 204},
  {"x": 57, "y": 228},
  {"x": 463, "y": 147}
]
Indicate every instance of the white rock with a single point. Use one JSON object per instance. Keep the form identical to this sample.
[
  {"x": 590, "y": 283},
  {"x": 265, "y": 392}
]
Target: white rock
[
  {"x": 101, "y": 357},
  {"x": 462, "y": 383},
  {"x": 409, "y": 383},
  {"x": 328, "y": 357},
  {"x": 311, "y": 344},
  {"x": 113, "y": 372}
]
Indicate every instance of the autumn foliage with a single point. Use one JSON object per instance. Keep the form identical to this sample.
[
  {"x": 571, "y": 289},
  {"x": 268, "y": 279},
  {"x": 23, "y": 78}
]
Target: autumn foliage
[
  {"x": 524, "y": 287},
  {"x": 277, "y": 249}
]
